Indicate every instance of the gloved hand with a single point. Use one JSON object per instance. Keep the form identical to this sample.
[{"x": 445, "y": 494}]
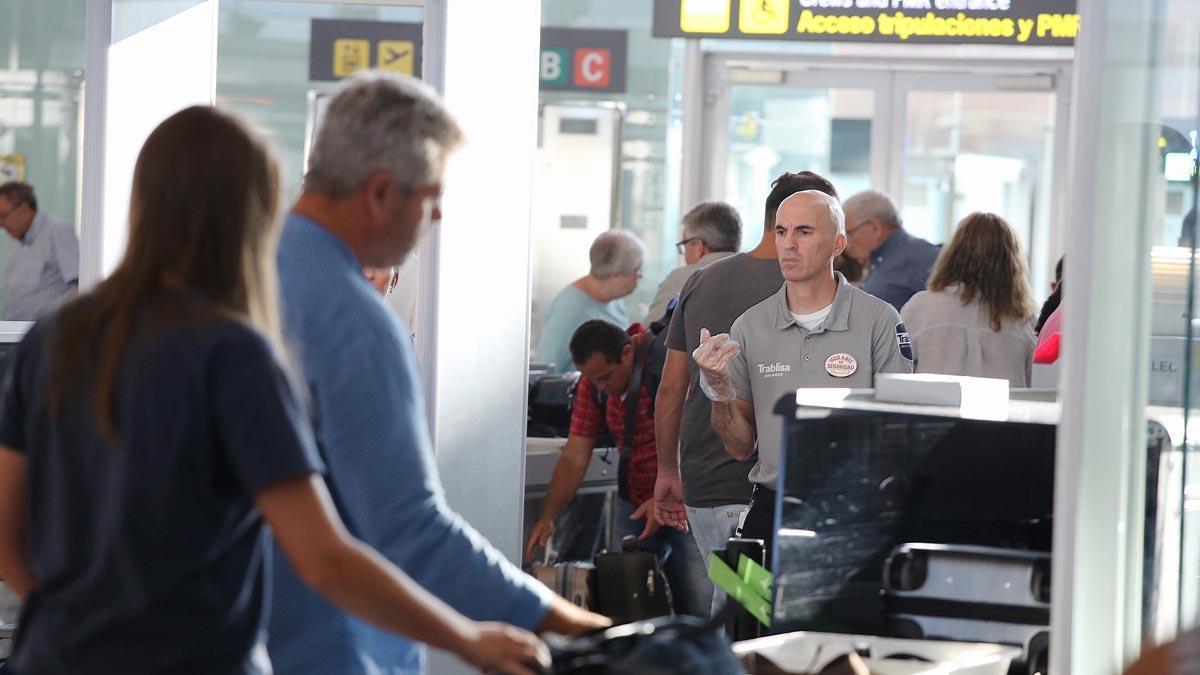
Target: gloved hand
[{"x": 712, "y": 357}]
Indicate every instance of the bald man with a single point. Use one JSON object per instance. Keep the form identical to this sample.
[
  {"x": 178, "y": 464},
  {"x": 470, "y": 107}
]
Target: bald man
[{"x": 816, "y": 331}]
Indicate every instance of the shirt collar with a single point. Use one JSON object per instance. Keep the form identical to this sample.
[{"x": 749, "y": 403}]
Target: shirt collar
[
  {"x": 713, "y": 257},
  {"x": 839, "y": 314},
  {"x": 894, "y": 243},
  {"x": 320, "y": 237},
  {"x": 35, "y": 228}
]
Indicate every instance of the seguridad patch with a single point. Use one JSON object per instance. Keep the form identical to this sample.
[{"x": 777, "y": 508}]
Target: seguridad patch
[{"x": 841, "y": 365}]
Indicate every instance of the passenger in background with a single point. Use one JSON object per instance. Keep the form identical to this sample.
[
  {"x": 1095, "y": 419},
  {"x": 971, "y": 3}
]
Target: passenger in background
[
  {"x": 372, "y": 188},
  {"x": 382, "y": 279},
  {"x": 606, "y": 357},
  {"x": 1052, "y": 303},
  {"x": 616, "y": 266},
  {"x": 897, "y": 263},
  {"x": 977, "y": 316},
  {"x": 700, "y": 488},
  {"x": 850, "y": 268},
  {"x": 149, "y": 429},
  {"x": 711, "y": 231},
  {"x": 42, "y": 270}
]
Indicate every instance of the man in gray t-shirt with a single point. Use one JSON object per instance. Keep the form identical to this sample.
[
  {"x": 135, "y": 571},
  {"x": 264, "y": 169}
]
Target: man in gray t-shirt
[
  {"x": 815, "y": 331},
  {"x": 696, "y": 471}
]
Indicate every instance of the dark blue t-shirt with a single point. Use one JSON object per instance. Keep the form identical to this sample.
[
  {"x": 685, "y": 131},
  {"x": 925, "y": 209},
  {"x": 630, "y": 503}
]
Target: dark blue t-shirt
[{"x": 150, "y": 555}]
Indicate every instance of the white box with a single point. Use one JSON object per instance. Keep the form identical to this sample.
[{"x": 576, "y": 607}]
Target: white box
[
  {"x": 947, "y": 390},
  {"x": 806, "y": 652}
]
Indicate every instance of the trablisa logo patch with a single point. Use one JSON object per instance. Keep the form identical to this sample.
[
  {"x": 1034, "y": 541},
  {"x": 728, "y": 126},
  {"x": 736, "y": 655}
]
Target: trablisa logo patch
[{"x": 584, "y": 67}]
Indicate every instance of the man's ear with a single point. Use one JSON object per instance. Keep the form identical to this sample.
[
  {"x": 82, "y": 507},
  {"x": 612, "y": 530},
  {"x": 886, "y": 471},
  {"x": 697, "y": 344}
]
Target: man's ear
[
  {"x": 377, "y": 189},
  {"x": 627, "y": 351},
  {"x": 839, "y": 244}
]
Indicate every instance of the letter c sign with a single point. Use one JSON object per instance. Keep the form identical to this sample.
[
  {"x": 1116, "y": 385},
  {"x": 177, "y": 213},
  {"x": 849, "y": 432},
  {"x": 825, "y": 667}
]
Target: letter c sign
[{"x": 593, "y": 67}]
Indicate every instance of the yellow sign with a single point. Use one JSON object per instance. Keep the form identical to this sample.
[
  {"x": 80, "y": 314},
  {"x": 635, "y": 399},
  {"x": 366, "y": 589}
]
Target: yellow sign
[
  {"x": 351, "y": 56},
  {"x": 396, "y": 56},
  {"x": 704, "y": 16},
  {"x": 12, "y": 167},
  {"x": 764, "y": 17}
]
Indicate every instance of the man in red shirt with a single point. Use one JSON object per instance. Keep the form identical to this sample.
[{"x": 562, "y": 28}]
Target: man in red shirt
[{"x": 608, "y": 358}]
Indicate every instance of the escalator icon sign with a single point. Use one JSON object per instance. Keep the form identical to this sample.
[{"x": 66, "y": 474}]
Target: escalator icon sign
[{"x": 764, "y": 17}]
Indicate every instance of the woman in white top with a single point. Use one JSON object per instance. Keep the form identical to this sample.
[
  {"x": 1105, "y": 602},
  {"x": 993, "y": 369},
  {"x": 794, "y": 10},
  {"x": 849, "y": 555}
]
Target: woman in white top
[{"x": 977, "y": 316}]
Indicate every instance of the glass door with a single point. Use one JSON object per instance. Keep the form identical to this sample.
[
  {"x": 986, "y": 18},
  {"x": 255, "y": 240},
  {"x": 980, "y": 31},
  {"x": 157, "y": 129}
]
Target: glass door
[
  {"x": 828, "y": 121},
  {"x": 974, "y": 142}
]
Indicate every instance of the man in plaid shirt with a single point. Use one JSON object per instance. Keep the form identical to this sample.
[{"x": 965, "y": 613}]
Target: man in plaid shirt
[{"x": 605, "y": 356}]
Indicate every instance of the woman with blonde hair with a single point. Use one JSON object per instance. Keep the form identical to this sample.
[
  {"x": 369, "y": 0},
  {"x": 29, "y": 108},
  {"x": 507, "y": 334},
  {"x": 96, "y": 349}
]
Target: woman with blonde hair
[
  {"x": 977, "y": 316},
  {"x": 149, "y": 430}
]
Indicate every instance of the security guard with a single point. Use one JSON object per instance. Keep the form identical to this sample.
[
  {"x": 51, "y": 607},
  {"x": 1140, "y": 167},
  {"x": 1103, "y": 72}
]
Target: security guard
[{"x": 816, "y": 331}]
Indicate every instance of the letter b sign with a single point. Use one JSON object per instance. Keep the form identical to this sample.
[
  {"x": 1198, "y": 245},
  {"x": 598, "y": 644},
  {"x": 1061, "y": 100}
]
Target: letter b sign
[{"x": 552, "y": 70}]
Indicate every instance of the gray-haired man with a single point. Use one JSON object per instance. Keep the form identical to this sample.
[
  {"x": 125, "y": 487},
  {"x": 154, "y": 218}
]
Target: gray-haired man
[
  {"x": 616, "y": 266},
  {"x": 816, "y": 331},
  {"x": 898, "y": 264},
  {"x": 372, "y": 187},
  {"x": 710, "y": 231}
]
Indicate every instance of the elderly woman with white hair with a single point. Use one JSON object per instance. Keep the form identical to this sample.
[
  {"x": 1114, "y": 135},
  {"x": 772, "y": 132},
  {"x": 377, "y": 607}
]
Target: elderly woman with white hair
[{"x": 616, "y": 258}]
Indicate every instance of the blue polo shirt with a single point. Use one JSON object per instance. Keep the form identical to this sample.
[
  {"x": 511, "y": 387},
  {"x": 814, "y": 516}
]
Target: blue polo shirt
[
  {"x": 900, "y": 268},
  {"x": 371, "y": 429}
]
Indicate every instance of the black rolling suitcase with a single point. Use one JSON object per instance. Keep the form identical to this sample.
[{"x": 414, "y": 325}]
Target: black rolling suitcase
[
  {"x": 629, "y": 585},
  {"x": 971, "y": 594}
]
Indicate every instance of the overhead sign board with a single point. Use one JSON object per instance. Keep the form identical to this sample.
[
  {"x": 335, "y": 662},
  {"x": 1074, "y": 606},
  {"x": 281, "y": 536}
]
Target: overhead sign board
[
  {"x": 338, "y": 49},
  {"x": 582, "y": 60},
  {"x": 1008, "y": 22}
]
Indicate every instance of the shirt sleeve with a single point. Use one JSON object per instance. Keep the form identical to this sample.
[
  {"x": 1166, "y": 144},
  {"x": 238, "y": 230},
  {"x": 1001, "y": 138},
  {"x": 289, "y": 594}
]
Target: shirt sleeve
[
  {"x": 586, "y": 415},
  {"x": 739, "y": 369},
  {"x": 889, "y": 342},
  {"x": 382, "y": 471},
  {"x": 66, "y": 252},
  {"x": 260, "y": 425},
  {"x": 906, "y": 317},
  {"x": 676, "y": 332}
]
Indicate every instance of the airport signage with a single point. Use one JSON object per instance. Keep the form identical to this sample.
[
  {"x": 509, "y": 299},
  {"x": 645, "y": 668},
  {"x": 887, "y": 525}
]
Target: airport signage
[
  {"x": 582, "y": 60},
  {"x": 338, "y": 49},
  {"x": 1007, "y": 22}
]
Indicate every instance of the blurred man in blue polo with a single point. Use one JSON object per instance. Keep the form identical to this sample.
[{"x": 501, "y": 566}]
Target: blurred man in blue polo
[
  {"x": 372, "y": 188},
  {"x": 42, "y": 270}
]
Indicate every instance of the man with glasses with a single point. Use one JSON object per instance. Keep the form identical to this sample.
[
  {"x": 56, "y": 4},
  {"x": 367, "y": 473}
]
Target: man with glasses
[
  {"x": 42, "y": 270},
  {"x": 711, "y": 231},
  {"x": 898, "y": 264}
]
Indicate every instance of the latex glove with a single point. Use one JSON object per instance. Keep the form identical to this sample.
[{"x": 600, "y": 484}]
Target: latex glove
[{"x": 712, "y": 357}]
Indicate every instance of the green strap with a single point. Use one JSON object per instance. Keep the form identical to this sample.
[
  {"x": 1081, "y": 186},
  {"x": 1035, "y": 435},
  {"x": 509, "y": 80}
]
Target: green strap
[{"x": 750, "y": 586}]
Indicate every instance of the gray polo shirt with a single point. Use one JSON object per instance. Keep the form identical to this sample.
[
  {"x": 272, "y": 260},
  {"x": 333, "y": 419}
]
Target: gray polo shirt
[
  {"x": 714, "y": 298},
  {"x": 861, "y": 336},
  {"x": 899, "y": 268},
  {"x": 41, "y": 269}
]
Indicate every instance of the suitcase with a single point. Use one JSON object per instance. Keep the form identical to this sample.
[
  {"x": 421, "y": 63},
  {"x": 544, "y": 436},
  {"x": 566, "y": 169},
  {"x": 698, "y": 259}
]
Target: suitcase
[
  {"x": 629, "y": 585},
  {"x": 970, "y": 594},
  {"x": 568, "y": 579}
]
